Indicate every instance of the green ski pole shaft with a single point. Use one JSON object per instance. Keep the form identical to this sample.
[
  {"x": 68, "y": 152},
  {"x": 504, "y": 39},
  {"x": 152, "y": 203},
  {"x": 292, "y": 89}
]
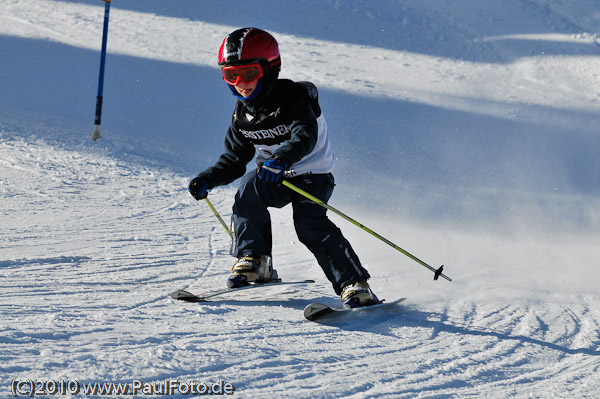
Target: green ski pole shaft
[
  {"x": 437, "y": 272},
  {"x": 212, "y": 208}
]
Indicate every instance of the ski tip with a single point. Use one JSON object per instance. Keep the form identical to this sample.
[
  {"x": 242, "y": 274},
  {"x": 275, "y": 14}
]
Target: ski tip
[
  {"x": 315, "y": 310},
  {"x": 182, "y": 295}
]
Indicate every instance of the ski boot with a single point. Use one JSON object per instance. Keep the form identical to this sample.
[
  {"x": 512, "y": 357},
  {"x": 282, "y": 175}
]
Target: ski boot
[
  {"x": 252, "y": 269},
  {"x": 358, "y": 294}
]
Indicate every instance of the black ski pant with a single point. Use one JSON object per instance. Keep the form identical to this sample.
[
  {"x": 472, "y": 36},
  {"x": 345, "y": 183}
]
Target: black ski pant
[{"x": 252, "y": 224}]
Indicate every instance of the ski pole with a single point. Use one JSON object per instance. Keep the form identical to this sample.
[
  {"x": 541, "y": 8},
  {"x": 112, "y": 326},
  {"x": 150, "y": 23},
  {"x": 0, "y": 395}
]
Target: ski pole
[
  {"x": 437, "y": 272},
  {"x": 212, "y": 208},
  {"x": 96, "y": 134}
]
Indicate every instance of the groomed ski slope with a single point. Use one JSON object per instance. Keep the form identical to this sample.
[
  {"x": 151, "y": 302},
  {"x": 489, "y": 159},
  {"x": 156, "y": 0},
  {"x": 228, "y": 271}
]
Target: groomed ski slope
[{"x": 465, "y": 131}]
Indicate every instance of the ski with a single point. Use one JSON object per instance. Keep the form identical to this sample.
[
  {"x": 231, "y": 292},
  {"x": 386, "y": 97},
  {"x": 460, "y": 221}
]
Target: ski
[
  {"x": 182, "y": 295},
  {"x": 318, "y": 311}
]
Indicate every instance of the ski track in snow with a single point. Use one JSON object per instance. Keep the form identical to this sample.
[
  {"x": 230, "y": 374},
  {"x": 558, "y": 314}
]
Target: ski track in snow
[
  {"x": 94, "y": 240},
  {"x": 106, "y": 242}
]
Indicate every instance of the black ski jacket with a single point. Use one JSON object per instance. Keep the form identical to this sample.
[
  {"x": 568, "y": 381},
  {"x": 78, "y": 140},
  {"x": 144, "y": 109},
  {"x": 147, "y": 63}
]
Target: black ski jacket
[{"x": 282, "y": 123}]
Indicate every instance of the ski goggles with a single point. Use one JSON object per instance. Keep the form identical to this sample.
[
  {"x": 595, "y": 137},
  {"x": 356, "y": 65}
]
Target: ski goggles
[{"x": 246, "y": 73}]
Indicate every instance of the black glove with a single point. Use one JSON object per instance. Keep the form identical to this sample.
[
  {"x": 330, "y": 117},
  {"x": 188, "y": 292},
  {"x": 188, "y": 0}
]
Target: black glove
[
  {"x": 272, "y": 170},
  {"x": 199, "y": 187}
]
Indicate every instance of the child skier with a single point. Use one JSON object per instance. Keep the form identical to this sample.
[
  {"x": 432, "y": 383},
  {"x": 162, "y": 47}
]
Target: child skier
[{"x": 280, "y": 122}]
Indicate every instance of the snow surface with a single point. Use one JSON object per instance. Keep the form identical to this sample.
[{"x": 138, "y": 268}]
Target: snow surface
[{"x": 465, "y": 131}]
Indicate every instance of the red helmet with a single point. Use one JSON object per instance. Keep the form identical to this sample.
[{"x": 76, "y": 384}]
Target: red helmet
[{"x": 249, "y": 45}]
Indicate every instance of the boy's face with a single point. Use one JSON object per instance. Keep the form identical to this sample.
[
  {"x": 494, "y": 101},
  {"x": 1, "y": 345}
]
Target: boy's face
[{"x": 245, "y": 89}]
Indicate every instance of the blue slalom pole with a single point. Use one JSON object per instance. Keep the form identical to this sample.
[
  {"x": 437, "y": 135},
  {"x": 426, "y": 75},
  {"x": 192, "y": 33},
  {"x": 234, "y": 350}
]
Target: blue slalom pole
[{"x": 96, "y": 134}]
